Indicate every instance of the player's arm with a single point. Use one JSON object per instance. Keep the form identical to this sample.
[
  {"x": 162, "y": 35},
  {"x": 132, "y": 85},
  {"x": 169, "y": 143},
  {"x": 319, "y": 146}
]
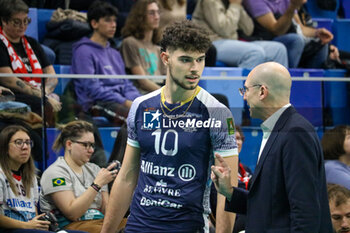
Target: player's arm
[
  {"x": 225, "y": 220},
  {"x": 122, "y": 190}
]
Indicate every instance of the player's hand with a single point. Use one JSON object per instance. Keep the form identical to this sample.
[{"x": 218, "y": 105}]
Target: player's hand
[
  {"x": 324, "y": 35},
  {"x": 38, "y": 224},
  {"x": 221, "y": 177}
]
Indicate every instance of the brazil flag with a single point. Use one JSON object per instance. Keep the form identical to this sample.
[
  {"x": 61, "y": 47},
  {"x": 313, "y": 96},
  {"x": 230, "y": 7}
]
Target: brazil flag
[{"x": 58, "y": 182}]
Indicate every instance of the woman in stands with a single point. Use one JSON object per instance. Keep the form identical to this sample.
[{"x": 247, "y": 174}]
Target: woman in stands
[
  {"x": 22, "y": 54},
  {"x": 139, "y": 48},
  {"x": 72, "y": 188},
  {"x": 336, "y": 151},
  {"x": 18, "y": 184}
]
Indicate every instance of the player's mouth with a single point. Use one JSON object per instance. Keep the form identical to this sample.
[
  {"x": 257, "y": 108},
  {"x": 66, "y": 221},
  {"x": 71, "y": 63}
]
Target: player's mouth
[{"x": 192, "y": 78}]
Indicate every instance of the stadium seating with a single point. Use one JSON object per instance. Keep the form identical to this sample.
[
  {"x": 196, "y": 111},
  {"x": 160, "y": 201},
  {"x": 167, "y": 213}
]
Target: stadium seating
[{"x": 341, "y": 29}]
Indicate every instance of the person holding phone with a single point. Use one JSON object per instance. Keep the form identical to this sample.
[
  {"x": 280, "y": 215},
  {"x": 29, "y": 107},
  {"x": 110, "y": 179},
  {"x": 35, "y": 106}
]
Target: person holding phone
[{"x": 74, "y": 189}]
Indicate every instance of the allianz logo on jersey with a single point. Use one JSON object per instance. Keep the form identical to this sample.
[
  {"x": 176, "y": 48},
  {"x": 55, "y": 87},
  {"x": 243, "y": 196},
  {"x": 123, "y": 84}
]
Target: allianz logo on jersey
[
  {"x": 186, "y": 172},
  {"x": 152, "y": 120}
]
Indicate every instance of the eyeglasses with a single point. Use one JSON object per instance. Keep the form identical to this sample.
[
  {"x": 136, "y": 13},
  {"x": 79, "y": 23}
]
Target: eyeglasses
[
  {"x": 20, "y": 142},
  {"x": 153, "y": 12},
  {"x": 243, "y": 90},
  {"x": 87, "y": 145},
  {"x": 18, "y": 22}
]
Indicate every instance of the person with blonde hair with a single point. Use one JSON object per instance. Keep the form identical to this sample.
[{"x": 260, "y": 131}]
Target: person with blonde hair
[{"x": 72, "y": 188}]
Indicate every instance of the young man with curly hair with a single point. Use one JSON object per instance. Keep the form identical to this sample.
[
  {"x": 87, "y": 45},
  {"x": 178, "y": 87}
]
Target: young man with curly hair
[{"x": 173, "y": 134}]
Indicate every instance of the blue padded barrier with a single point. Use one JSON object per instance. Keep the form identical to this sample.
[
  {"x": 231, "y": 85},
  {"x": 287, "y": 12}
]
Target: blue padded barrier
[
  {"x": 62, "y": 82},
  {"x": 306, "y": 96},
  {"x": 324, "y": 23},
  {"x": 32, "y": 29},
  {"x": 108, "y": 136},
  {"x": 44, "y": 15},
  {"x": 317, "y": 12},
  {"x": 336, "y": 98},
  {"x": 341, "y": 29},
  {"x": 52, "y": 134},
  {"x": 229, "y": 88}
]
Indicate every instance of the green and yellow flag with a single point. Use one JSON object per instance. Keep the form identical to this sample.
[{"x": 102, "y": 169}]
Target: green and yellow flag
[{"x": 58, "y": 182}]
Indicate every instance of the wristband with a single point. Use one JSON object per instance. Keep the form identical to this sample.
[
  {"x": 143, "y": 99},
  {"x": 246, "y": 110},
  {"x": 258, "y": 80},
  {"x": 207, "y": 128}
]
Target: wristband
[{"x": 96, "y": 187}]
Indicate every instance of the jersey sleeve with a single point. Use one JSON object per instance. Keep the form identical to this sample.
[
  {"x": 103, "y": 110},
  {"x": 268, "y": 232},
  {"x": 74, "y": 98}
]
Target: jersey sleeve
[
  {"x": 131, "y": 122},
  {"x": 55, "y": 179},
  {"x": 223, "y": 138}
]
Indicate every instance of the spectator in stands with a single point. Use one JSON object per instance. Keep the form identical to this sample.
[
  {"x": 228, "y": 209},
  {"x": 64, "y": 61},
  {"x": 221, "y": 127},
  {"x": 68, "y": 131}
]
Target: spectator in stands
[
  {"x": 18, "y": 184},
  {"x": 223, "y": 19},
  {"x": 336, "y": 151},
  {"x": 339, "y": 204},
  {"x": 22, "y": 54},
  {"x": 124, "y": 7},
  {"x": 140, "y": 52},
  {"x": 72, "y": 188},
  {"x": 279, "y": 21},
  {"x": 115, "y": 95},
  {"x": 175, "y": 10},
  {"x": 171, "y": 10}
]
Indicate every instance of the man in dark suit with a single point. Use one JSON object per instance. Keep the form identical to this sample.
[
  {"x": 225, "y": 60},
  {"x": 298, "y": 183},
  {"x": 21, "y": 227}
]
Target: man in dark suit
[{"x": 288, "y": 188}]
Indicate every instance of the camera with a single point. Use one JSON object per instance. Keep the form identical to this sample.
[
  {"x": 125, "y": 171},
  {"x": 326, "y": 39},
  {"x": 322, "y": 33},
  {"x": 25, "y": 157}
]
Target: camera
[{"x": 53, "y": 221}]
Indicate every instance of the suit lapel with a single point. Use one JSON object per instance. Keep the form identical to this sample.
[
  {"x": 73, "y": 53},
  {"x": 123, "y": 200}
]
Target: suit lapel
[{"x": 278, "y": 126}]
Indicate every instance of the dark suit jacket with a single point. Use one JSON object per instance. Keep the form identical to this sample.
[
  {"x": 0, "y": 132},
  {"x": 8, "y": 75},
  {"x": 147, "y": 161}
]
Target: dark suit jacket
[{"x": 288, "y": 188}]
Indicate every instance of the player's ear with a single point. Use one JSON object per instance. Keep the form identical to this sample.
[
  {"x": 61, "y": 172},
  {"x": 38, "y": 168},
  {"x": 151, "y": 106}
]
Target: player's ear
[{"x": 165, "y": 57}]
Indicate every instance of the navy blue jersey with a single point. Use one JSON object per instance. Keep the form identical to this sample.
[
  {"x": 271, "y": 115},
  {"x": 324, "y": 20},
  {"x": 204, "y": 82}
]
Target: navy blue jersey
[{"x": 177, "y": 144}]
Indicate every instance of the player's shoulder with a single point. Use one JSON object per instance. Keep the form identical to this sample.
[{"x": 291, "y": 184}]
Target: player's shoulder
[
  {"x": 208, "y": 100},
  {"x": 145, "y": 98}
]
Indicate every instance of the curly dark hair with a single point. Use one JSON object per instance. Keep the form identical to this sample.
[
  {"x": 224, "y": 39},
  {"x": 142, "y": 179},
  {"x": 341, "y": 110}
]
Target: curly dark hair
[
  {"x": 135, "y": 23},
  {"x": 185, "y": 35},
  {"x": 333, "y": 142}
]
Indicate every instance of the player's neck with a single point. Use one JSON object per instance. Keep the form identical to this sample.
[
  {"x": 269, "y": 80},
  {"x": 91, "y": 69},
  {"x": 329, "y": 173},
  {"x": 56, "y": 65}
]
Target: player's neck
[
  {"x": 97, "y": 38},
  {"x": 175, "y": 94}
]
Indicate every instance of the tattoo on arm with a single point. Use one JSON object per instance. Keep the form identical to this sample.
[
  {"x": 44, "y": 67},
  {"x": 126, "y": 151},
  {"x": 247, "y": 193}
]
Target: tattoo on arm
[{"x": 20, "y": 83}]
